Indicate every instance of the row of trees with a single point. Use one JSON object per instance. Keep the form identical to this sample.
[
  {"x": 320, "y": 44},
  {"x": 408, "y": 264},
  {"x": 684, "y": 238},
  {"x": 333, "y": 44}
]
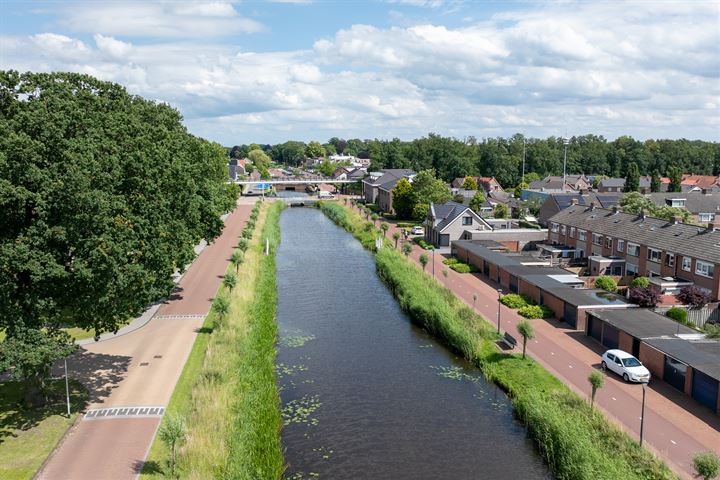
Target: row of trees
[
  {"x": 502, "y": 157},
  {"x": 103, "y": 196},
  {"x": 632, "y": 179}
]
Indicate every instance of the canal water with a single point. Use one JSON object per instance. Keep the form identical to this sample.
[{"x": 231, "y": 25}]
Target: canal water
[{"x": 365, "y": 393}]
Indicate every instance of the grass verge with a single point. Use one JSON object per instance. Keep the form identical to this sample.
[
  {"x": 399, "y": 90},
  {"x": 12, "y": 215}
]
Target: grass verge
[
  {"x": 218, "y": 391},
  {"x": 575, "y": 442},
  {"x": 27, "y": 437}
]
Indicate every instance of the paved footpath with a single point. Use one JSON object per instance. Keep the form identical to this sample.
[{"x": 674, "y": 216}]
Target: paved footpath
[
  {"x": 676, "y": 427},
  {"x": 131, "y": 377}
]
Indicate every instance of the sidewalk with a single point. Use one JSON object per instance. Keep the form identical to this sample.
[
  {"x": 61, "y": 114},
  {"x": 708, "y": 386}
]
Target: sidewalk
[{"x": 675, "y": 428}]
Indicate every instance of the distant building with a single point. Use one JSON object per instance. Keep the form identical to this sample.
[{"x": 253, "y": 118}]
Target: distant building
[
  {"x": 447, "y": 222},
  {"x": 708, "y": 183},
  {"x": 614, "y": 185},
  {"x": 553, "y": 183},
  {"x": 385, "y": 180},
  {"x": 488, "y": 184},
  {"x": 646, "y": 181},
  {"x": 554, "y": 202},
  {"x": 703, "y": 206}
]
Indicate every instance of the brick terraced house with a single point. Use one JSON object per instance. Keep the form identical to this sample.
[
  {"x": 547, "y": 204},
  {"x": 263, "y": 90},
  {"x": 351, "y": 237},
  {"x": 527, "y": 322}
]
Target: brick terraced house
[{"x": 649, "y": 246}]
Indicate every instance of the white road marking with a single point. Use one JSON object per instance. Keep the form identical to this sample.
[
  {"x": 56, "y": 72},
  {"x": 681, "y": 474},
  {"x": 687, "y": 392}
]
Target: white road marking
[
  {"x": 614, "y": 398},
  {"x": 673, "y": 442},
  {"x": 552, "y": 353},
  {"x": 570, "y": 366}
]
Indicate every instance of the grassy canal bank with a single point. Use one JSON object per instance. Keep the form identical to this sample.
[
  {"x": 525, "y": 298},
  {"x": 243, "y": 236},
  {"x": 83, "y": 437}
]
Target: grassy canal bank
[
  {"x": 576, "y": 442},
  {"x": 227, "y": 393}
]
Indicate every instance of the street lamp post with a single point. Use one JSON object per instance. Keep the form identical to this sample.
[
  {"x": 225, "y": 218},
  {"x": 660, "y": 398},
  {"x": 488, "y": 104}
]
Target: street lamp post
[
  {"x": 67, "y": 389},
  {"x": 566, "y": 141},
  {"x": 498, "y": 315},
  {"x": 522, "y": 182},
  {"x": 433, "y": 260},
  {"x": 642, "y": 415}
]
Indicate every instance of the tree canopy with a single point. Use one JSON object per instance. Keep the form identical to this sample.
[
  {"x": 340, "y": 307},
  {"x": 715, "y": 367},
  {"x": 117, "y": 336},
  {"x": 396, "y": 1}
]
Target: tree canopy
[
  {"x": 429, "y": 189},
  {"x": 632, "y": 178},
  {"x": 403, "y": 199},
  {"x": 103, "y": 194},
  {"x": 635, "y": 202},
  {"x": 314, "y": 150}
]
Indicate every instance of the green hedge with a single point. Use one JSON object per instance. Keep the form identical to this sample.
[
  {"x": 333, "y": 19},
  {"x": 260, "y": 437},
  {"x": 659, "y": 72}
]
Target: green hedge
[
  {"x": 606, "y": 283},
  {"x": 678, "y": 314},
  {"x": 461, "y": 267},
  {"x": 451, "y": 261},
  {"x": 513, "y": 300},
  {"x": 536, "y": 311}
]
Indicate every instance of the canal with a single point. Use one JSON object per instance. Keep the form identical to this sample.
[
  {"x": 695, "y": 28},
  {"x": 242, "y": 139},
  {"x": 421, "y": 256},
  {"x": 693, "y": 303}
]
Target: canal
[{"x": 365, "y": 393}]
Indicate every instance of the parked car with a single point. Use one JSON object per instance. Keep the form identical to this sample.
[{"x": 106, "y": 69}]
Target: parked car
[
  {"x": 324, "y": 194},
  {"x": 417, "y": 230},
  {"x": 625, "y": 365}
]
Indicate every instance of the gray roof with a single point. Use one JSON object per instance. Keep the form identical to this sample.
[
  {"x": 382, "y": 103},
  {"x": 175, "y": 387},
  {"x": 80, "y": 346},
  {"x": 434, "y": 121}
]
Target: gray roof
[
  {"x": 448, "y": 211},
  {"x": 695, "y": 202},
  {"x": 703, "y": 355},
  {"x": 604, "y": 200},
  {"x": 680, "y": 238},
  {"x": 390, "y": 174},
  {"x": 611, "y": 182},
  {"x": 641, "y": 323}
]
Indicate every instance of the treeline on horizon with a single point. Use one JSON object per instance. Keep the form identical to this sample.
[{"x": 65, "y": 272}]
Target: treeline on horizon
[{"x": 502, "y": 157}]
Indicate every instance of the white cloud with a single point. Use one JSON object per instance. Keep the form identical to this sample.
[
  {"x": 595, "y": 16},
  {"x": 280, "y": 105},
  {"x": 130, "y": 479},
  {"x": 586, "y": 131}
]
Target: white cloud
[
  {"x": 163, "y": 19},
  {"x": 649, "y": 70}
]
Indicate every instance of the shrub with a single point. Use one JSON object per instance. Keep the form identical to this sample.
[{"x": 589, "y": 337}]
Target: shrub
[
  {"x": 536, "y": 311},
  {"x": 707, "y": 465},
  {"x": 606, "y": 283},
  {"x": 644, "y": 296},
  {"x": 712, "y": 330},
  {"x": 677, "y": 314},
  {"x": 460, "y": 267},
  {"x": 513, "y": 300},
  {"x": 694, "y": 296},
  {"x": 451, "y": 261},
  {"x": 640, "y": 282}
]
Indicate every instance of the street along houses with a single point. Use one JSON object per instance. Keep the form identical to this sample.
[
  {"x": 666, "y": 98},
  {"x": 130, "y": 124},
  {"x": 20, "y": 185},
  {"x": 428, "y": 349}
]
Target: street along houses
[{"x": 643, "y": 245}]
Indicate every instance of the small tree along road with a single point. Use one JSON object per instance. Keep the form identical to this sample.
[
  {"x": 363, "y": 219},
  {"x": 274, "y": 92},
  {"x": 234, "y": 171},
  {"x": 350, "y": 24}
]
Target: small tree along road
[
  {"x": 526, "y": 330},
  {"x": 597, "y": 380}
]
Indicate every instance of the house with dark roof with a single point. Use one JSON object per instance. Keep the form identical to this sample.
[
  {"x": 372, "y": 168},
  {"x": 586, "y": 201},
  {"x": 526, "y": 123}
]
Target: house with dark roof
[
  {"x": 488, "y": 184},
  {"x": 554, "y": 202},
  {"x": 702, "y": 205},
  {"x": 385, "y": 178},
  {"x": 614, "y": 185},
  {"x": 447, "y": 222},
  {"x": 649, "y": 246},
  {"x": 554, "y": 183},
  {"x": 646, "y": 181}
]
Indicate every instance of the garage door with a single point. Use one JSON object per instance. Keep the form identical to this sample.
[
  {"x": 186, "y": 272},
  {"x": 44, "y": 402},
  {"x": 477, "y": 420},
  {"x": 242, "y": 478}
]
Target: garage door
[
  {"x": 513, "y": 283},
  {"x": 611, "y": 336},
  {"x": 674, "y": 373},
  {"x": 595, "y": 328},
  {"x": 570, "y": 315},
  {"x": 705, "y": 390}
]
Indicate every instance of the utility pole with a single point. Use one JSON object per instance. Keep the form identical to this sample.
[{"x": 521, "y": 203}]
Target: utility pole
[
  {"x": 498, "y": 315},
  {"x": 566, "y": 141},
  {"x": 67, "y": 389},
  {"x": 642, "y": 415},
  {"x": 522, "y": 182}
]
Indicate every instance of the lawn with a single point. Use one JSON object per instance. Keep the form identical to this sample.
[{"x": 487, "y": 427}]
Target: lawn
[{"x": 27, "y": 437}]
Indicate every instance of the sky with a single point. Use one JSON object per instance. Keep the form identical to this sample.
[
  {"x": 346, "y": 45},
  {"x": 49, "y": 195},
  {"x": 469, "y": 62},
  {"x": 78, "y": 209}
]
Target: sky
[{"x": 272, "y": 71}]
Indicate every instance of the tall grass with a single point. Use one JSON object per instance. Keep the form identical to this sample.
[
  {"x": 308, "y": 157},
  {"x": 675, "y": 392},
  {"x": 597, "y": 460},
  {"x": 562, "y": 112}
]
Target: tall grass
[
  {"x": 575, "y": 442},
  {"x": 227, "y": 391}
]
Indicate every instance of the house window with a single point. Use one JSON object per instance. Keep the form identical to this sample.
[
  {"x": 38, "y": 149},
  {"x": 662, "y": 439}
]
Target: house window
[
  {"x": 670, "y": 259},
  {"x": 706, "y": 217},
  {"x": 608, "y": 242},
  {"x": 467, "y": 221},
  {"x": 654, "y": 255},
  {"x": 686, "y": 264},
  {"x": 620, "y": 245},
  {"x": 705, "y": 269},
  {"x": 582, "y": 235},
  {"x": 554, "y": 228},
  {"x": 597, "y": 239},
  {"x": 572, "y": 232},
  {"x": 633, "y": 249},
  {"x": 563, "y": 229},
  {"x": 677, "y": 202},
  {"x": 630, "y": 269}
]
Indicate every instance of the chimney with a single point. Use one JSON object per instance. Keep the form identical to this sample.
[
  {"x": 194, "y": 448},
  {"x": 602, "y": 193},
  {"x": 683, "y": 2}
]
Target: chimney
[
  {"x": 713, "y": 226},
  {"x": 615, "y": 209},
  {"x": 592, "y": 206},
  {"x": 676, "y": 219},
  {"x": 643, "y": 213},
  {"x": 574, "y": 201}
]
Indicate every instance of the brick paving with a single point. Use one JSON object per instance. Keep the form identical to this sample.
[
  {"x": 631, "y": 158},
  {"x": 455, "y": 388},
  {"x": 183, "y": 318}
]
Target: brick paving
[
  {"x": 676, "y": 427},
  {"x": 137, "y": 370}
]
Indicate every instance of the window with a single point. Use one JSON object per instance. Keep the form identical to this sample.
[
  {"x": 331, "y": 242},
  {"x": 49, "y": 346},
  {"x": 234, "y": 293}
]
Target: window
[
  {"x": 677, "y": 202},
  {"x": 687, "y": 261},
  {"x": 620, "y": 245},
  {"x": 597, "y": 239},
  {"x": 630, "y": 269},
  {"x": 554, "y": 228},
  {"x": 608, "y": 242},
  {"x": 572, "y": 232},
  {"x": 633, "y": 249},
  {"x": 654, "y": 255},
  {"x": 705, "y": 269},
  {"x": 706, "y": 217},
  {"x": 467, "y": 220},
  {"x": 582, "y": 235},
  {"x": 563, "y": 229},
  {"x": 670, "y": 259}
]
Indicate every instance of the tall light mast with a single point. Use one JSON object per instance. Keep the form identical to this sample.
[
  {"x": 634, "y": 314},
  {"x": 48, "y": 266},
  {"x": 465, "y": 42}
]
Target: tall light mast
[{"x": 566, "y": 141}]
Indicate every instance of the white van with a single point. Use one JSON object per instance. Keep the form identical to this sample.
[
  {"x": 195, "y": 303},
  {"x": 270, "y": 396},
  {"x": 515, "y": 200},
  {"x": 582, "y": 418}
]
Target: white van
[{"x": 325, "y": 195}]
